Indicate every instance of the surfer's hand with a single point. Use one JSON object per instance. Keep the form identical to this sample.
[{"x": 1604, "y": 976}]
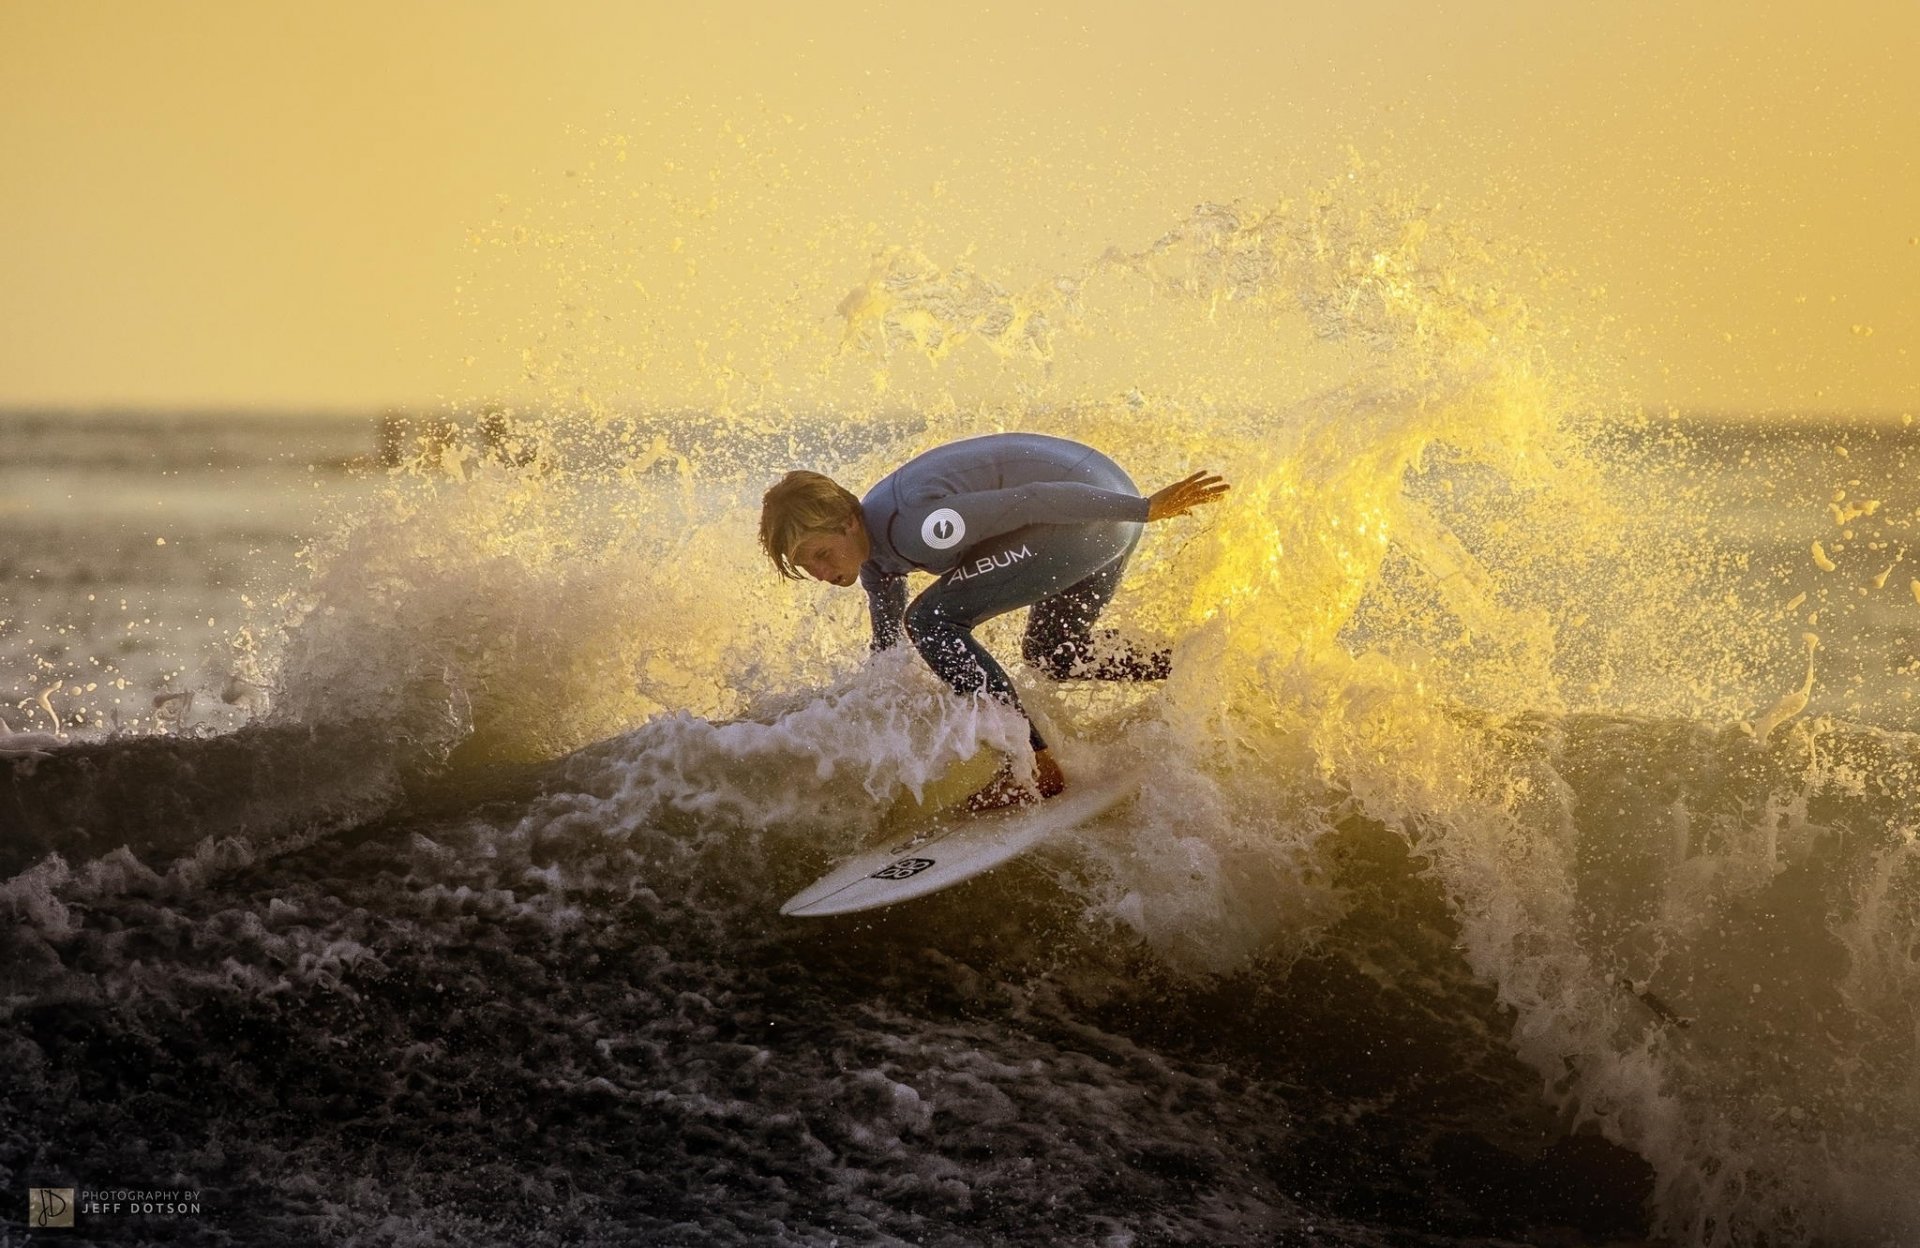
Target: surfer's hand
[{"x": 1184, "y": 495}]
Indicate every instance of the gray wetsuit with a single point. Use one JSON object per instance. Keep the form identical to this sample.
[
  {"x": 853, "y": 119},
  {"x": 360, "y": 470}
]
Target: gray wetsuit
[{"x": 1005, "y": 521}]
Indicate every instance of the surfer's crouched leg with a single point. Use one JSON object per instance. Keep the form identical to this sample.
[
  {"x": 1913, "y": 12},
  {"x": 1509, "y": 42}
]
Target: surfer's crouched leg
[
  {"x": 949, "y": 647},
  {"x": 1062, "y": 642},
  {"x": 1066, "y": 573}
]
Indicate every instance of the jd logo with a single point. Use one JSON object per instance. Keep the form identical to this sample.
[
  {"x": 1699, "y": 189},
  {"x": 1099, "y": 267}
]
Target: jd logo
[
  {"x": 49, "y": 1206},
  {"x": 943, "y": 529},
  {"x": 905, "y": 869}
]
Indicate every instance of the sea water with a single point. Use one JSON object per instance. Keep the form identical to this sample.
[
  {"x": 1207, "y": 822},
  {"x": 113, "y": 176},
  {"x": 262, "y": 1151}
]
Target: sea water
[{"x": 1526, "y": 851}]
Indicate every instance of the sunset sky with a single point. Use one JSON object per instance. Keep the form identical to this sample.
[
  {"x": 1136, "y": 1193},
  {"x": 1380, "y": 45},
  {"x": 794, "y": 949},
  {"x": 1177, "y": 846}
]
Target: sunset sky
[{"x": 272, "y": 206}]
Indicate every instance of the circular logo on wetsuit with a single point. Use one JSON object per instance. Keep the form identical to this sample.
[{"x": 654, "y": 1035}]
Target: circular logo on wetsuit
[{"x": 943, "y": 529}]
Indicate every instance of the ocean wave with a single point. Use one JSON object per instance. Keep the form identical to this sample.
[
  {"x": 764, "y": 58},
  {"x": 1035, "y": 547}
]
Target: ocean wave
[{"x": 158, "y": 797}]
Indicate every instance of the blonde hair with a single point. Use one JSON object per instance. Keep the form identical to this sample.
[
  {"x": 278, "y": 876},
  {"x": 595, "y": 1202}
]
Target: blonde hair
[{"x": 800, "y": 504}]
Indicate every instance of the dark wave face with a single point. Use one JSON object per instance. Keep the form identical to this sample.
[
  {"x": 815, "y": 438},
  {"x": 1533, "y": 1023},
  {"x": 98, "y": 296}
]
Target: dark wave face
[
  {"x": 565, "y": 1011},
  {"x": 575, "y": 1019}
]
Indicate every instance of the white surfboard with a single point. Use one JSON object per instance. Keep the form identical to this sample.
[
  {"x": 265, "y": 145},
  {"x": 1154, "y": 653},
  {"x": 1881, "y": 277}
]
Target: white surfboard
[{"x": 953, "y": 850}]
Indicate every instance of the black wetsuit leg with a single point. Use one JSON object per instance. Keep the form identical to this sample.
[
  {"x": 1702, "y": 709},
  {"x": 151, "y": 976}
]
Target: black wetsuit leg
[
  {"x": 1060, "y": 638},
  {"x": 1080, "y": 564}
]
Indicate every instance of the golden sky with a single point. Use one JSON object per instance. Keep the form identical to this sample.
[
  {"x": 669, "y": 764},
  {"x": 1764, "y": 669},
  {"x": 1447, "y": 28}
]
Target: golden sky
[{"x": 281, "y": 206}]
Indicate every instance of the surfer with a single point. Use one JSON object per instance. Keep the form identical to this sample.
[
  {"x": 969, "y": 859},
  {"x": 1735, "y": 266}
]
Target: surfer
[{"x": 1004, "y": 521}]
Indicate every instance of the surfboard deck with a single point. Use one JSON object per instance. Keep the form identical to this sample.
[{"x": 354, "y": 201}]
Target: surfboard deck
[{"x": 953, "y": 850}]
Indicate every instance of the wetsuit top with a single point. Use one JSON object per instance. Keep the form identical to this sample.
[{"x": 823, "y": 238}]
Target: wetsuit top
[{"x": 933, "y": 509}]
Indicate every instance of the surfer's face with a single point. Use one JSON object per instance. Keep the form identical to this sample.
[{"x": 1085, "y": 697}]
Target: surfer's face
[{"x": 834, "y": 557}]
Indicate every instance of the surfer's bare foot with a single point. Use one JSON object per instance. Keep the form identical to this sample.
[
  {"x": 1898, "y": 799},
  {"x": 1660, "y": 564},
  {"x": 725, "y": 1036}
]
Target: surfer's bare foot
[{"x": 1003, "y": 790}]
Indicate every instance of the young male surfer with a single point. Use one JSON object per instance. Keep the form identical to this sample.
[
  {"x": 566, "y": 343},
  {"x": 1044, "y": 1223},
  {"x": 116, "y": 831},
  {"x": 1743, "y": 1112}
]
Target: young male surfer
[{"x": 1004, "y": 521}]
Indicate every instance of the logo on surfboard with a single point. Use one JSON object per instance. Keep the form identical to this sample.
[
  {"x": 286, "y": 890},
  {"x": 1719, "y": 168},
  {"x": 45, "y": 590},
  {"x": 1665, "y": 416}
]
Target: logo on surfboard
[{"x": 905, "y": 869}]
